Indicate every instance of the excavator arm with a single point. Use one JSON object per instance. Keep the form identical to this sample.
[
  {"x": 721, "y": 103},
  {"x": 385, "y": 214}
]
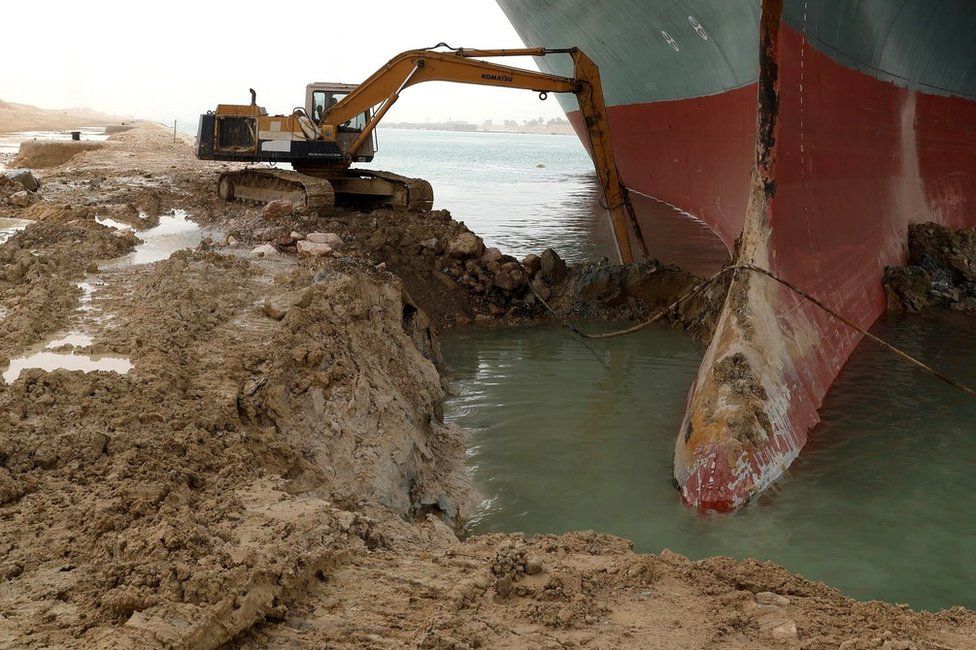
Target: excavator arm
[{"x": 383, "y": 88}]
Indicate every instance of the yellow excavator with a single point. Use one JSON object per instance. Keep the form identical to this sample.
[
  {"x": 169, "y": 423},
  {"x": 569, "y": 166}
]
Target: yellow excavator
[{"x": 337, "y": 128}]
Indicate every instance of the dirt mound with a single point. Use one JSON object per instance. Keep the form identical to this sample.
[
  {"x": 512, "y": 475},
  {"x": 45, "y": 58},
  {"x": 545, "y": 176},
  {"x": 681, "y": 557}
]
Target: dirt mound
[
  {"x": 941, "y": 271},
  {"x": 455, "y": 279},
  {"x": 41, "y": 154},
  {"x": 590, "y": 590},
  {"x": 240, "y": 459}
]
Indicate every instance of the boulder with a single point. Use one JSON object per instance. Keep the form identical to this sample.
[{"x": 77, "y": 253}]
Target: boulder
[
  {"x": 540, "y": 288},
  {"x": 331, "y": 239},
  {"x": 316, "y": 249},
  {"x": 491, "y": 255},
  {"x": 504, "y": 280},
  {"x": 532, "y": 263},
  {"x": 552, "y": 267},
  {"x": 24, "y": 177},
  {"x": 467, "y": 244},
  {"x": 264, "y": 250},
  {"x": 277, "y": 209},
  {"x": 22, "y": 199}
]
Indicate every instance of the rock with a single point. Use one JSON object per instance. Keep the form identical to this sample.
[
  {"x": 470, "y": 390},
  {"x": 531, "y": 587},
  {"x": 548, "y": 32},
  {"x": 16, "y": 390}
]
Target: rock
[
  {"x": 532, "y": 263},
  {"x": 232, "y": 240},
  {"x": 540, "y": 288},
  {"x": 24, "y": 177},
  {"x": 91, "y": 268},
  {"x": 277, "y": 209},
  {"x": 306, "y": 247},
  {"x": 430, "y": 244},
  {"x": 264, "y": 250},
  {"x": 594, "y": 284},
  {"x": 552, "y": 267},
  {"x": 330, "y": 239},
  {"x": 491, "y": 255},
  {"x": 277, "y": 306},
  {"x": 297, "y": 235},
  {"x": 504, "y": 280},
  {"x": 22, "y": 199},
  {"x": 785, "y": 631},
  {"x": 467, "y": 244},
  {"x": 446, "y": 280},
  {"x": 770, "y": 598}
]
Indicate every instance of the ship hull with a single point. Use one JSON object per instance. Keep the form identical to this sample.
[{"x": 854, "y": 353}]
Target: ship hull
[{"x": 858, "y": 121}]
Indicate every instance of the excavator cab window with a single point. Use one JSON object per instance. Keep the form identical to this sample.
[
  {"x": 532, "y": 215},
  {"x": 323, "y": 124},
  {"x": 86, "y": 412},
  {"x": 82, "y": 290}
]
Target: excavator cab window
[{"x": 323, "y": 100}]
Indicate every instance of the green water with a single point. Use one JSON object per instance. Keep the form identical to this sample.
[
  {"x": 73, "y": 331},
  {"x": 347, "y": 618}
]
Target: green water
[{"x": 570, "y": 435}]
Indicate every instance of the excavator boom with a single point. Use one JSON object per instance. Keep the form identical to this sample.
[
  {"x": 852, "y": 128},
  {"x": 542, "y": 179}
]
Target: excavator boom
[
  {"x": 327, "y": 144},
  {"x": 409, "y": 68}
]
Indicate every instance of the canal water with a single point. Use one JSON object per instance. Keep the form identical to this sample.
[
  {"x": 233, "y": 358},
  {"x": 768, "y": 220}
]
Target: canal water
[
  {"x": 571, "y": 434},
  {"x": 520, "y": 192}
]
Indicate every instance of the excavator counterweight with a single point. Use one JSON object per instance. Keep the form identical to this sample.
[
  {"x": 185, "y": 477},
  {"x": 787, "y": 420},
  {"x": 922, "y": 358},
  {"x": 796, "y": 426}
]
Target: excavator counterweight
[{"x": 337, "y": 125}]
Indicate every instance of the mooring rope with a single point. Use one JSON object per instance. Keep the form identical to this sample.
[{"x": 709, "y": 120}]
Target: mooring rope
[{"x": 701, "y": 286}]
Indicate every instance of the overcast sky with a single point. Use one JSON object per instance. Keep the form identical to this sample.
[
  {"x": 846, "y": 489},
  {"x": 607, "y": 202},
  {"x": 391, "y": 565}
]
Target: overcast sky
[{"x": 181, "y": 58}]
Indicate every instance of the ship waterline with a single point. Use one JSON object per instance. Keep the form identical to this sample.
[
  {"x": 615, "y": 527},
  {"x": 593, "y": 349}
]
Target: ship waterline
[{"x": 856, "y": 119}]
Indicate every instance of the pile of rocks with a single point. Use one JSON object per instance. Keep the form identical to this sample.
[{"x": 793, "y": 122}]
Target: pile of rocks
[
  {"x": 501, "y": 279},
  {"x": 314, "y": 244},
  {"x": 941, "y": 271},
  {"x": 18, "y": 188}
]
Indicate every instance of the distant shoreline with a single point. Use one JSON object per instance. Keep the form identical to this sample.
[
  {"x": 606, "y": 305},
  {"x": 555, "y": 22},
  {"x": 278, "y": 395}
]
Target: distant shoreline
[{"x": 408, "y": 128}]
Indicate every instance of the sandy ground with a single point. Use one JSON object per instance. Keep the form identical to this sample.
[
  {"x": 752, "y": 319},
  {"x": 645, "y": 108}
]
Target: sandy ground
[
  {"x": 275, "y": 471},
  {"x": 21, "y": 117}
]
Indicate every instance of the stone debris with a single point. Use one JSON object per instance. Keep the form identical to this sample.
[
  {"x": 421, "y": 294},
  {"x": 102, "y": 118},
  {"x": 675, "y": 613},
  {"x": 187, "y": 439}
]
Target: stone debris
[
  {"x": 264, "y": 250},
  {"x": 277, "y": 209},
  {"x": 330, "y": 239},
  {"x": 23, "y": 177},
  {"x": 465, "y": 245},
  {"x": 310, "y": 247},
  {"x": 941, "y": 271}
]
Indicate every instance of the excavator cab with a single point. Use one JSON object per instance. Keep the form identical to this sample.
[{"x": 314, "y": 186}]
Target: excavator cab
[{"x": 320, "y": 97}]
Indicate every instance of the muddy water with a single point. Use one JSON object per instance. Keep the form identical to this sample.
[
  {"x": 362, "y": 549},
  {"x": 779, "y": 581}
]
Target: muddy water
[
  {"x": 63, "y": 351},
  {"x": 522, "y": 193},
  {"x": 174, "y": 232},
  {"x": 573, "y": 436}
]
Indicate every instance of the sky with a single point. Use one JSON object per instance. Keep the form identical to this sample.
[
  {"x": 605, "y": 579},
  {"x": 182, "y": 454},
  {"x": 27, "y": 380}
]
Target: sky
[{"x": 178, "y": 59}]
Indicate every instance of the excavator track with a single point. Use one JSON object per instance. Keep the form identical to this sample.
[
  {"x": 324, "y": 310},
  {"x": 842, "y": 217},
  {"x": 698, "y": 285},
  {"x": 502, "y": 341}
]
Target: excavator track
[
  {"x": 419, "y": 194},
  {"x": 261, "y": 186}
]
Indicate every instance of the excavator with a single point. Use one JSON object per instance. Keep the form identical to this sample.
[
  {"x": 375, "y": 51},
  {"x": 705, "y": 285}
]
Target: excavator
[{"x": 337, "y": 127}]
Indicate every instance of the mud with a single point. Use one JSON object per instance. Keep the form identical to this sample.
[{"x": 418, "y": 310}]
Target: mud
[
  {"x": 940, "y": 274},
  {"x": 274, "y": 470}
]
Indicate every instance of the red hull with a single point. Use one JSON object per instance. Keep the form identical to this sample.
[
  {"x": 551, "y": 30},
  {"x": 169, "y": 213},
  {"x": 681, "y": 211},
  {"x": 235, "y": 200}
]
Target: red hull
[
  {"x": 693, "y": 156},
  {"x": 855, "y": 159}
]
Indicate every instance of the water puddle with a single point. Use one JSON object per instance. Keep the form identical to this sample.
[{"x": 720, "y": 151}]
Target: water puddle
[
  {"x": 174, "y": 232},
  {"x": 10, "y": 226},
  {"x": 51, "y": 356}
]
